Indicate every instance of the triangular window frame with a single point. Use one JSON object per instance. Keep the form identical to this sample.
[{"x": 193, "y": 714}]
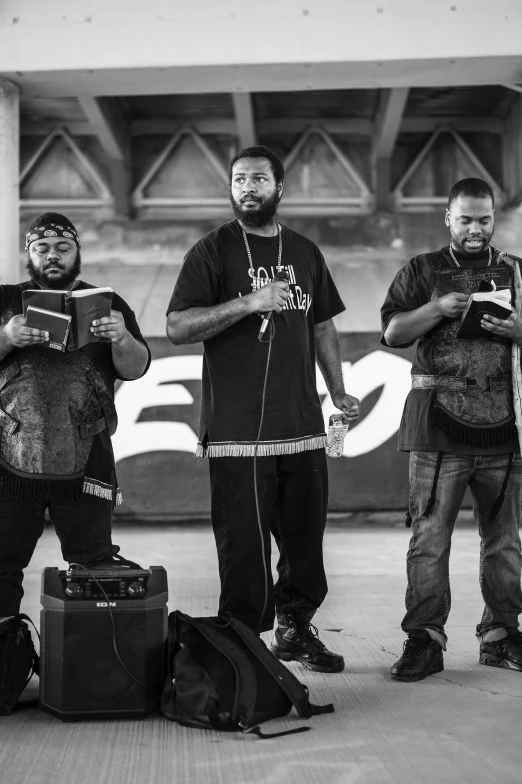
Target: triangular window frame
[
  {"x": 413, "y": 203},
  {"x": 331, "y": 204},
  {"x": 90, "y": 173},
  {"x": 139, "y": 199}
]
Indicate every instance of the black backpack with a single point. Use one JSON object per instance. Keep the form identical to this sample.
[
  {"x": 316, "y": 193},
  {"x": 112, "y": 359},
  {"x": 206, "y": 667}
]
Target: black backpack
[
  {"x": 19, "y": 661},
  {"x": 220, "y": 675}
]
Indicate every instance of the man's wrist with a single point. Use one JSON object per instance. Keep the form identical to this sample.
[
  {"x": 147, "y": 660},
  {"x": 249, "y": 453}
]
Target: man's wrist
[
  {"x": 4, "y": 338},
  {"x": 245, "y": 303},
  {"x": 123, "y": 341},
  {"x": 437, "y": 308}
]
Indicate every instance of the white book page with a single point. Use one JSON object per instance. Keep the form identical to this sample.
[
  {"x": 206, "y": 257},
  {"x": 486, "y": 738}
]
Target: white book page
[{"x": 89, "y": 292}]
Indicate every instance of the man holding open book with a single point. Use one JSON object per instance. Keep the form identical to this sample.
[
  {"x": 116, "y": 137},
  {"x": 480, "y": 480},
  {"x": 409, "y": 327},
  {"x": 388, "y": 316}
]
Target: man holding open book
[
  {"x": 63, "y": 343},
  {"x": 460, "y": 426}
]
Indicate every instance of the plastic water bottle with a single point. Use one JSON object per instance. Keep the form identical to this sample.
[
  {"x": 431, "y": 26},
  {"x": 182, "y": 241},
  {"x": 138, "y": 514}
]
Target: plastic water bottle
[{"x": 337, "y": 429}]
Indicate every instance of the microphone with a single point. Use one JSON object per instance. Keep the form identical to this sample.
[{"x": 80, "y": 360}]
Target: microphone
[{"x": 283, "y": 277}]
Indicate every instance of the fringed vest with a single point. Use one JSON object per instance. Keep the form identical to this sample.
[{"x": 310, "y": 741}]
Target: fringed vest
[
  {"x": 472, "y": 378},
  {"x": 52, "y": 404}
]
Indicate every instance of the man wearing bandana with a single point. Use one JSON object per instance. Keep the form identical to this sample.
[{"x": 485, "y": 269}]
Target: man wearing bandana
[
  {"x": 56, "y": 417},
  {"x": 261, "y": 424},
  {"x": 460, "y": 426}
]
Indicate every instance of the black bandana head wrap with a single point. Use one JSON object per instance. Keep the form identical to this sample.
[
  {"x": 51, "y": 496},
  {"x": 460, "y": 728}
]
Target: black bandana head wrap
[{"x": 51, "y": 224}]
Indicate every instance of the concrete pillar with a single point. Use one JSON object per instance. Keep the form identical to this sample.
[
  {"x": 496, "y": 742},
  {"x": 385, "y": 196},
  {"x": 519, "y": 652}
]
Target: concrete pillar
[{"x": 9, "y": 182}]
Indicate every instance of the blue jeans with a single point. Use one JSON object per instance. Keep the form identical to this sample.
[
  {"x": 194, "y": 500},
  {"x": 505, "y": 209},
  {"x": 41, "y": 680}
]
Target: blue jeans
[
  {"x": 428, "y": 596},
  {"x": 83, "y": 528}
]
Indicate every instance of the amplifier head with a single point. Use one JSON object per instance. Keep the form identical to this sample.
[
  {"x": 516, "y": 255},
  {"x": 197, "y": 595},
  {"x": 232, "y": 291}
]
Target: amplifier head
[{"x": 117, "y": 583}]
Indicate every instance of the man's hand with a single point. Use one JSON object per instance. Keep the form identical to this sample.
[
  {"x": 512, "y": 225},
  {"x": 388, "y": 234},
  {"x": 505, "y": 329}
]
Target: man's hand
[
  {"x": 19, "y": 335},
  {"x": 349, "y": 405},
  {"x": 505, "y": 328},
  {"x": 273, "y": 296},
  {"x": 112, "y": 327},
  {"x": 453, "y": 304}
]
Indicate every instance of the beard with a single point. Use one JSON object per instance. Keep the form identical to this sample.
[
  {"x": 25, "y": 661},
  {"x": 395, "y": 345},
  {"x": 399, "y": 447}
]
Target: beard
[
  {"x": 54, "y": 281},
  {"x": 459, "y": 243},
  {"x": 263, "y": 216}
]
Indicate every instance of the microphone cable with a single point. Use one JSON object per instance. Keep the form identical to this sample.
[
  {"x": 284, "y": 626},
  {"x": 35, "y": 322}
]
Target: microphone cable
[
  {"x": 256, "y": 494},
  {"x": 114, "y": 641}
]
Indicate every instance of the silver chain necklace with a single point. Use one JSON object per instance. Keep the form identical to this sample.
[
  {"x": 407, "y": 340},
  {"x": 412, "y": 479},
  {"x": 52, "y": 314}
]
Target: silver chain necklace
[
  {"x": 458, "y": 265},
  {"x": 256, "y": 282}
]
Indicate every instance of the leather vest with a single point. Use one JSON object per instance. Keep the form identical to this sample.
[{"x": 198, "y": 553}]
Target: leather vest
[
  {"x": 52, "y": 404},
  {"x": 480, "y": 414}
]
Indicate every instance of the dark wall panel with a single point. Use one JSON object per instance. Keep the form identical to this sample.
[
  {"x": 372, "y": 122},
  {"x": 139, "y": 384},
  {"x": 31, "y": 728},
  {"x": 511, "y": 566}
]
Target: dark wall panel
[{"x": 171, "y": 483}]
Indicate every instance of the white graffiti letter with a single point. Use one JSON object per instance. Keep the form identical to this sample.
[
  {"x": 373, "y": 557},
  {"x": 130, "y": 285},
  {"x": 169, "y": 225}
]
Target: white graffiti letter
[
  {"x": 154, "y": 389},
  {"x": 378, "y": 369}
]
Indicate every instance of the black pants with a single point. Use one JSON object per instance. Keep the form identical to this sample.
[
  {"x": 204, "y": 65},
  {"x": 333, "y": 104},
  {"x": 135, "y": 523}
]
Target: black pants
[
  {"x": 83, "y": 528},
  {"x": 293, "y": 495}
]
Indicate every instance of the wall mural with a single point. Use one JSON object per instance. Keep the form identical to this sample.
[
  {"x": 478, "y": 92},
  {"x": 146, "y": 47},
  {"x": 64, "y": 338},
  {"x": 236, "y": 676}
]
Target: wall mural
[
  {"x": 163, "y": 386},
  {"x": 158, "y": 423}
]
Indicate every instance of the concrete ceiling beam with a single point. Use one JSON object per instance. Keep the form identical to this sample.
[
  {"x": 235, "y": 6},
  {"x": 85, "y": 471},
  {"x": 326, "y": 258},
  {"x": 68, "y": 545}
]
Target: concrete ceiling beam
[
  {"x": 204, "y": 33},
  {"x": 388, "y": 121},
  {"x": 107, "y": 124},
  {"x": 244, "y": 114},
  {"x": 282, "y": 77},
  {"x": 356, "y": 126},
  {"x": 386, "y": 130}
]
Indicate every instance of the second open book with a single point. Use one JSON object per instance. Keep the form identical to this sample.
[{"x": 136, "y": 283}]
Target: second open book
[{"x": 488, "y": 299}]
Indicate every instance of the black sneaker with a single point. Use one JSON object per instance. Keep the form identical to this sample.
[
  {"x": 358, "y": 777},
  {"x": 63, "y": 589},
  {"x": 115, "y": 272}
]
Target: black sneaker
[
  {"x": 422, "y": 656},
  {"x": 506, "y": 653},
  {"x": 296, "y": 639}
]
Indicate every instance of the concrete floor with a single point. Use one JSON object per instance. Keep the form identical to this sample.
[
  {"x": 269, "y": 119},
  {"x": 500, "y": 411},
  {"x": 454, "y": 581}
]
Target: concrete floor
[{"x": 462, "y": 725}]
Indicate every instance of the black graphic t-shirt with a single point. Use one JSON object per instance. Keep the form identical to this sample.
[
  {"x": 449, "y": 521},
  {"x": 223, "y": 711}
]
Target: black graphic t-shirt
[
  {"x": 216, "y": 270},
  {"x": 412, "y": 288}
]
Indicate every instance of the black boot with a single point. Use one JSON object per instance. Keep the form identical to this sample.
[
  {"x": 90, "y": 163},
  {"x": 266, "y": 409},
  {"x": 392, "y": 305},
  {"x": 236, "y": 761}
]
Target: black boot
[
  {"x": 422, "y": 656},
  {"x": 506, "y": 653},
  {"x": 296, "y": 639}
]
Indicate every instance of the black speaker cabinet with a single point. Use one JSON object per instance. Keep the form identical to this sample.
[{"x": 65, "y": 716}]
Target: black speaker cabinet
[{"x": 80, "y": 675}]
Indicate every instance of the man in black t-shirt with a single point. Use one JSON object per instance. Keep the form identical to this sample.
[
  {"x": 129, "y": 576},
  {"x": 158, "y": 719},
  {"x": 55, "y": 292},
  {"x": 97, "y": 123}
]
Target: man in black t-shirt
[
  {"x": 57, "y": 415},
  {"x": 460, "y": 425},
  {"x": 261, "y": 422}
]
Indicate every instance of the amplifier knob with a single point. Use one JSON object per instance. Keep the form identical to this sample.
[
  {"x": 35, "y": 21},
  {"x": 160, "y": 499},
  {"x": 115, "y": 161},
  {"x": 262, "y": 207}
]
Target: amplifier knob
[
  {"x": 136, "y": 589},
  {"x": 73, "y": 590}
]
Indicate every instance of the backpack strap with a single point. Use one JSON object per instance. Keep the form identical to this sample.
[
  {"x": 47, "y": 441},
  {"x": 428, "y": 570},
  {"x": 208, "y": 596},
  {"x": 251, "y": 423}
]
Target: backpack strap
[
  {"x": 295, "y": 691},
  {"x": 245, "y": 692},
  {"x": 35, "y": 666},
  {"x": 36, "y": 658}
]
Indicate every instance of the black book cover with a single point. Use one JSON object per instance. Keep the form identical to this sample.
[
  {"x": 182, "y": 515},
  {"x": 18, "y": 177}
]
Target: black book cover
[
  {"x": 476, "y": 308},
  {"x": 56, "y": 324},
  {"x": 86, "y": 306},
  {"x": 48, "y": 299}
]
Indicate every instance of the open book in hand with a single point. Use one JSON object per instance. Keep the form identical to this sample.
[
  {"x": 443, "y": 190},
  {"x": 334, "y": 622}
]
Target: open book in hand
[
  {"x": 82, "y": 305},
  {"x": 488, "y": 299},
  {"x": 86, "y": 306}
]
